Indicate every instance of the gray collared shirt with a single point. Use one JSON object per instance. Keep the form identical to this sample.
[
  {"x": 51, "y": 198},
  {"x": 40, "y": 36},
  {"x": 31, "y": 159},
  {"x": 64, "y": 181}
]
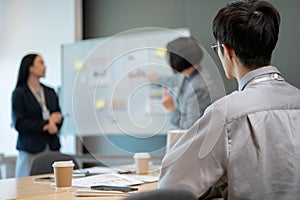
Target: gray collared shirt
[
  {"x": 249, "y": 139},
  {"x": 191, "y": 96},
  {"x": 190, "y": 101}
]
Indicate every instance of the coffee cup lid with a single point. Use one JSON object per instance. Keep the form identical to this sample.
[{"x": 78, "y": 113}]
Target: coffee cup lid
[
  {"x": 141, "y": 155},
  {"x": 63, "y": 164}
]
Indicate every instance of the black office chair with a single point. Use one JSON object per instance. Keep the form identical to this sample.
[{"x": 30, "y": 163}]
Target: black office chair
[
  {"x": 164, "y": 194},
  {"x": 42, "y": 163}
]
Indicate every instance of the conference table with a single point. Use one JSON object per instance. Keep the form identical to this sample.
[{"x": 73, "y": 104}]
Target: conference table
[{"x": 28, "y": 188}]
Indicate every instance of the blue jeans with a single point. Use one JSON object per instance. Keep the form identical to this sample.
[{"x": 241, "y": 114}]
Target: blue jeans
[{"x": 24, "y": 160}]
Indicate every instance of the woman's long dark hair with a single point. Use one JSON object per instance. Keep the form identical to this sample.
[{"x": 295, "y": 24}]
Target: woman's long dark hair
[{"x": 26, "y": 63}]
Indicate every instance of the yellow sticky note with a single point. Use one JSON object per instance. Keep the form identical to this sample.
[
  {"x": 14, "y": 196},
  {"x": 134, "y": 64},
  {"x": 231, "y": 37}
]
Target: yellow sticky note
[
  {"x": 161, "y": 52},
  {"x": 100, "y": 104},
  {"x": 78, "y": 65}
]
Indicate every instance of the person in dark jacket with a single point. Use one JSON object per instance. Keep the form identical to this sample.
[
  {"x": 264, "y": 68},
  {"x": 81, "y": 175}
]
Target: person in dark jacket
[{"x": 35, "y": 112}]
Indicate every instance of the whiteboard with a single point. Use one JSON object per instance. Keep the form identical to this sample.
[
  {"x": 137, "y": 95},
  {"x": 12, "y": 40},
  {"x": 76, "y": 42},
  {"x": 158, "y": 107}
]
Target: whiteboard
[{"x": 106, "y": 87}]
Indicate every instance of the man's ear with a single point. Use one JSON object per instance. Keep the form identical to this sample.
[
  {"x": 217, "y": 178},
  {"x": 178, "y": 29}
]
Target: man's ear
[{"x": 228, "y": 52}]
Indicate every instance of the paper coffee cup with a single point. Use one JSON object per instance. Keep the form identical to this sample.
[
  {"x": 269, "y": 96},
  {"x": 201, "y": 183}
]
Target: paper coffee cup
[
  {"x": 142, "y": 162},
  {"x": 63, "y": 171},
  {"x": 172, "y": 137}
]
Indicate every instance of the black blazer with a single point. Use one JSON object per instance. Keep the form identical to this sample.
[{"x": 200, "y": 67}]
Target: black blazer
[{"x": 28, "y": 120}]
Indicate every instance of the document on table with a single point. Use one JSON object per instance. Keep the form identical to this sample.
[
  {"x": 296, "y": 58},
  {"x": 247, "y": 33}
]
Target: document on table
[
  {"x": 95, "y": 170},
  {"x": 104, "y": 170},
  {"x": 113, "y": 180},
  {"x": 97, "y": 193},
  {"x": 122, "y": 169}
]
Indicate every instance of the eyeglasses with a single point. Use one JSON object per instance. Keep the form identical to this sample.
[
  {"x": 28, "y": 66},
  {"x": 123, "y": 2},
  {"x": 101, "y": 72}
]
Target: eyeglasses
[{"x": 215, "y": 47}]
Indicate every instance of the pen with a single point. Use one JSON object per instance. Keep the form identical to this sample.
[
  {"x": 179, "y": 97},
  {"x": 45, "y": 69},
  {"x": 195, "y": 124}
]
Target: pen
[
  {"x": 113, "y": 188},
  {"x": 126, "y": 172}
]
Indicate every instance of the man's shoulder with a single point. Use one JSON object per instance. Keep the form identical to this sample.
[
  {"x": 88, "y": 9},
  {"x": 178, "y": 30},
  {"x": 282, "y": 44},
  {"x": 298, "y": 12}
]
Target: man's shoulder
[
  {"x": 228, "y": 100},
  {"x": 241, "y": 103}
]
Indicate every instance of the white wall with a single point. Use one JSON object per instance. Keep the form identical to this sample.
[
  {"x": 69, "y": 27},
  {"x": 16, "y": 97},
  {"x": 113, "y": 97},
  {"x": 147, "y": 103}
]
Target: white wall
[{"x": 32, "y": 26}]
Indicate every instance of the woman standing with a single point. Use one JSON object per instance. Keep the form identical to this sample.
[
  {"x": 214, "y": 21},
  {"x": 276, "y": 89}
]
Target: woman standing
[{"x": 35, "y": 112}]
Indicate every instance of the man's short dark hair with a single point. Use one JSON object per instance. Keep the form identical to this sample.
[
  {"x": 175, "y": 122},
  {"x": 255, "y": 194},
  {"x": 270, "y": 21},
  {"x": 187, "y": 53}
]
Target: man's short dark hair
[
  {"x": 250, "y": 28},
  {"x": 184, "y": 52}
]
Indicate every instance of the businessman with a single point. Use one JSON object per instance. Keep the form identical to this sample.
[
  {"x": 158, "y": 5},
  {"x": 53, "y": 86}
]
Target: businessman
[{"x": 247, "y": 144}]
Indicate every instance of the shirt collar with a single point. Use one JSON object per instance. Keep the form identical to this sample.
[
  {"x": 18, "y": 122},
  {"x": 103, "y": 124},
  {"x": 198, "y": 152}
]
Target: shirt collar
[
  {"x": 192, "y": 75},
  {"x": 255, "y": 73}
]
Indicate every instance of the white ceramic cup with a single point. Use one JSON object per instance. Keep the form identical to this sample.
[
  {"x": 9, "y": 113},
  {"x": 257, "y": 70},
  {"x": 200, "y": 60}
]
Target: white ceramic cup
[
  {"x": 63, "y": 171},
  {"x": 142, "y": 162},
  {"x": 172, "y": 138}
]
